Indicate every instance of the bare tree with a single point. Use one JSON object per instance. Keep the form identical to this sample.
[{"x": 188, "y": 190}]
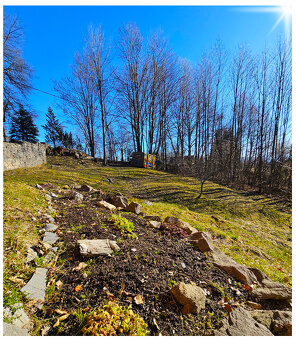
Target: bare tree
[
  {"x": 98, "y": 57},
  {"x": 79, "y": 99},
  {"x": 16, "y": 72},
  {"x": 132, "y": 81}
]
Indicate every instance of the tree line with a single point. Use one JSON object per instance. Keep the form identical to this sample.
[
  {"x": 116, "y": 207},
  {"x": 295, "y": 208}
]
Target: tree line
[{"x": 225, "y": 118}]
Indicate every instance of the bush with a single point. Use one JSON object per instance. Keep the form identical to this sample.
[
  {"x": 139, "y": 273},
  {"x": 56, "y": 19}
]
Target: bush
[
  {"x": 123, "y": 224},
  {"x": 113, "y": 319}
]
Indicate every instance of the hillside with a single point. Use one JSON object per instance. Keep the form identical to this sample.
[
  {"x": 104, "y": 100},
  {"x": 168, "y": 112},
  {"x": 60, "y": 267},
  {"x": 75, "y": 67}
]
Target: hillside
[{"x": 254, "y": 230}]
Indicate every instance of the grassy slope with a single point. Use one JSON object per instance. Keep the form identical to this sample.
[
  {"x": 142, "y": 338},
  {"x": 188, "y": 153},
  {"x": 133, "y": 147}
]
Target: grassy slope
[{"x": 254, "y": 230}]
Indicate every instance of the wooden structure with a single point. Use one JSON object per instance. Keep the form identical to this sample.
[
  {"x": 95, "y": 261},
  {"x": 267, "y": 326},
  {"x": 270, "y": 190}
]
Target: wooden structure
[{"x": 143, "y": 160}]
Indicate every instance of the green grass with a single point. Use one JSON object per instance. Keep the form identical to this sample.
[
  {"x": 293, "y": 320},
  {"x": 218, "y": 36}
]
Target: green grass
[{"x": 253, "y": 229}]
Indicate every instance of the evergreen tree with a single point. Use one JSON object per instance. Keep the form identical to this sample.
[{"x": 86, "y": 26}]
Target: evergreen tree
[
  {"x": 23, "y": 127},
  {"x": 67, "y": 140},
  {"x": 53, "y": 128}
]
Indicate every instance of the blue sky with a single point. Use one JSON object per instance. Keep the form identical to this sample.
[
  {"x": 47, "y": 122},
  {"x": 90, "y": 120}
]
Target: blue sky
[{"x": 54, "y": 33}]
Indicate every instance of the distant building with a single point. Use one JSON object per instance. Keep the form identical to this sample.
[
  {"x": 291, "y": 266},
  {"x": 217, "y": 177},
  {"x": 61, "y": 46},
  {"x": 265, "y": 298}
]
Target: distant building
[{"x": 143, "y": 160}]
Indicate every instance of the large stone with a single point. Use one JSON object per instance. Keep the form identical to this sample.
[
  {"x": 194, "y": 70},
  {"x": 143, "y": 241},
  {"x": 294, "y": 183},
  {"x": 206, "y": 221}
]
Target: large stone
[
  {"x": 50, "y": 238},
  {"x": 35, "y": 288},
  {"x": 203, "y": 242},
  {"x": 189, "y": 295},
  {"x": 183, "y": 225},
  {"x": 120, "y": 201},
  {"x": 12, "y": 330},
  {"x": 234, "y": 269},
  {"x": 269, "y": 289},
  {"x": 134, "y": 207},
  {"x": 50, "y": 218},
  {"x": 106, "y": 205},
  {"x": 154, "y": 224},
  {"x": 92, "y": 248},
  {"x": 86, "y": 188},
  {"x": 263, "y": 316},
  {"x": 282, "y": 323},
  {"x": 50, "y": 227},
  {"x": 240, "y": 323}
]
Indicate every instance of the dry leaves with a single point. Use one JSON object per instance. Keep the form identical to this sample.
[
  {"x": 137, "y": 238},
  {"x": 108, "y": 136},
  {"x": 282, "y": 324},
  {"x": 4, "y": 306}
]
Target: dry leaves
[
  {"x": 81, "y": 265},
  {"x": 15, "y": 279},
  {"x": 139, "y": 299},
  {"x": 59, "y": 284},
  {"x": 78, "y": 288}
]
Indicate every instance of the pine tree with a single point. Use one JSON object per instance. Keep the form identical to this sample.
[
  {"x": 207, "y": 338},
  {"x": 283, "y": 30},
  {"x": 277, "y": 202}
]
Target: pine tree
[
  {"x": 53, "y": 128},
  {"x": 23, "y": 127},
  {"x": 67, "y": 140}
]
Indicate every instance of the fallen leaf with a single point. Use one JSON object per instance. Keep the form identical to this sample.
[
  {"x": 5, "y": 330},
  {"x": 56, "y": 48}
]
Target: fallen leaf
[
  {"x": 81, "y": 265},
  {"x": 254, "y": 305},
  {"x": 78, "y": 288},
  {"x": 228, "y": 307},
  {"x": 57, "y": 323},
  {"x": 63, "y": 317},
  {"x": 139, "y": 299},
  {"x": 247, "y": 287},
  {"x": 59, "y": 284},
  {"x": 60, "y": 311},
  {"x": 129, "y": 299},
  {"x": 86, "y": 309},
  {"x": 15, "y": 279}
]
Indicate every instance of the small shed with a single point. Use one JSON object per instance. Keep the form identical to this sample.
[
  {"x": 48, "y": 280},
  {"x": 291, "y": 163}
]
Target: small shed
[{"x": 143, "y": 160}]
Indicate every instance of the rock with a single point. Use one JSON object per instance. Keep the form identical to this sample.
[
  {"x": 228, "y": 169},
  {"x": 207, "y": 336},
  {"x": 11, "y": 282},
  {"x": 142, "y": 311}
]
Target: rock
[
  {"x": 183, "y": 225},
  {"x": 75, "y": 186},
  {"x": 20, "y": 317},
  {"x": 91, "y": 248},
  {"x": 189, "y": 295},
  {"x": 48, "y": 197},
  {"x": 35, "y": 288},
  {"x": 12, "y": 330},
  {"x": 172, "y": 220},
  {"x": 148, "y": 203},
  {"x": 50, "y": 218},
  {"x": 203, "y": 242},
  {"x": 50, "y": 238},
  {"x": 272, "y": 290},
  {"x": 50, "y": 227},
  {"x": 120, "y": 201},
  {"x": 234, "y": 269},
  {"x": 269, "y": 289},
  {"x": 240, "y": 323},
  {"x": 106, "y": 205},
  {"x": 77, "y": 196},
  {"x": 282, "y": 323},
  {"x": 263, "y": 316},
  {"x": 154, "y": 224},
  {"x": 38, "y": 186},
  {"x": 86, "y": 188},
  {"x": 279, "y": 322},
  {"x": 254, "y": 305},
  {"x": 188, "y": 228},
  {"x": 153, "y": 218},
  {"x": 134, "y": 207},
  {"x": 110, "y": 180},
  {"x": 31, "y": 254}
]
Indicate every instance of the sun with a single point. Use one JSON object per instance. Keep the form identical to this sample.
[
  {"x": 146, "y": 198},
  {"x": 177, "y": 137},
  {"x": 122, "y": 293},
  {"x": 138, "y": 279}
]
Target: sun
[{"x": 285, "y": 13}]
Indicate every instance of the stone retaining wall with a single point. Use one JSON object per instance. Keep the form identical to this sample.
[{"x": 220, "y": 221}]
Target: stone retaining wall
[{"x": 23, "y": 154}]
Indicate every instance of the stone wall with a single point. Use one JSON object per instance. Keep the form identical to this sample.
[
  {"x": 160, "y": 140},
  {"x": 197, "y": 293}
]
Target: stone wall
[{"x": 23, "y": 154}]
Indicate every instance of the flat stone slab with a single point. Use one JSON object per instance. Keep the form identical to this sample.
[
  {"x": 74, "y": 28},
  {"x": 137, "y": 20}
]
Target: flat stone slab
[
  {"x": 11, "y": 330},
  {"x": 35, "y": 288},
  {"x": 19, "y": 318},
  {"x": 91, "y": 248},
  {"x": 106, "y": 205},
  {"x": 50, "y": 227},
  {"x": 50, "y": 237}
]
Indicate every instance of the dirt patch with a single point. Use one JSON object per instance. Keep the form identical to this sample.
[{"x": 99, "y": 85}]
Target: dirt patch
[{"x": 147, "y": 265}]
